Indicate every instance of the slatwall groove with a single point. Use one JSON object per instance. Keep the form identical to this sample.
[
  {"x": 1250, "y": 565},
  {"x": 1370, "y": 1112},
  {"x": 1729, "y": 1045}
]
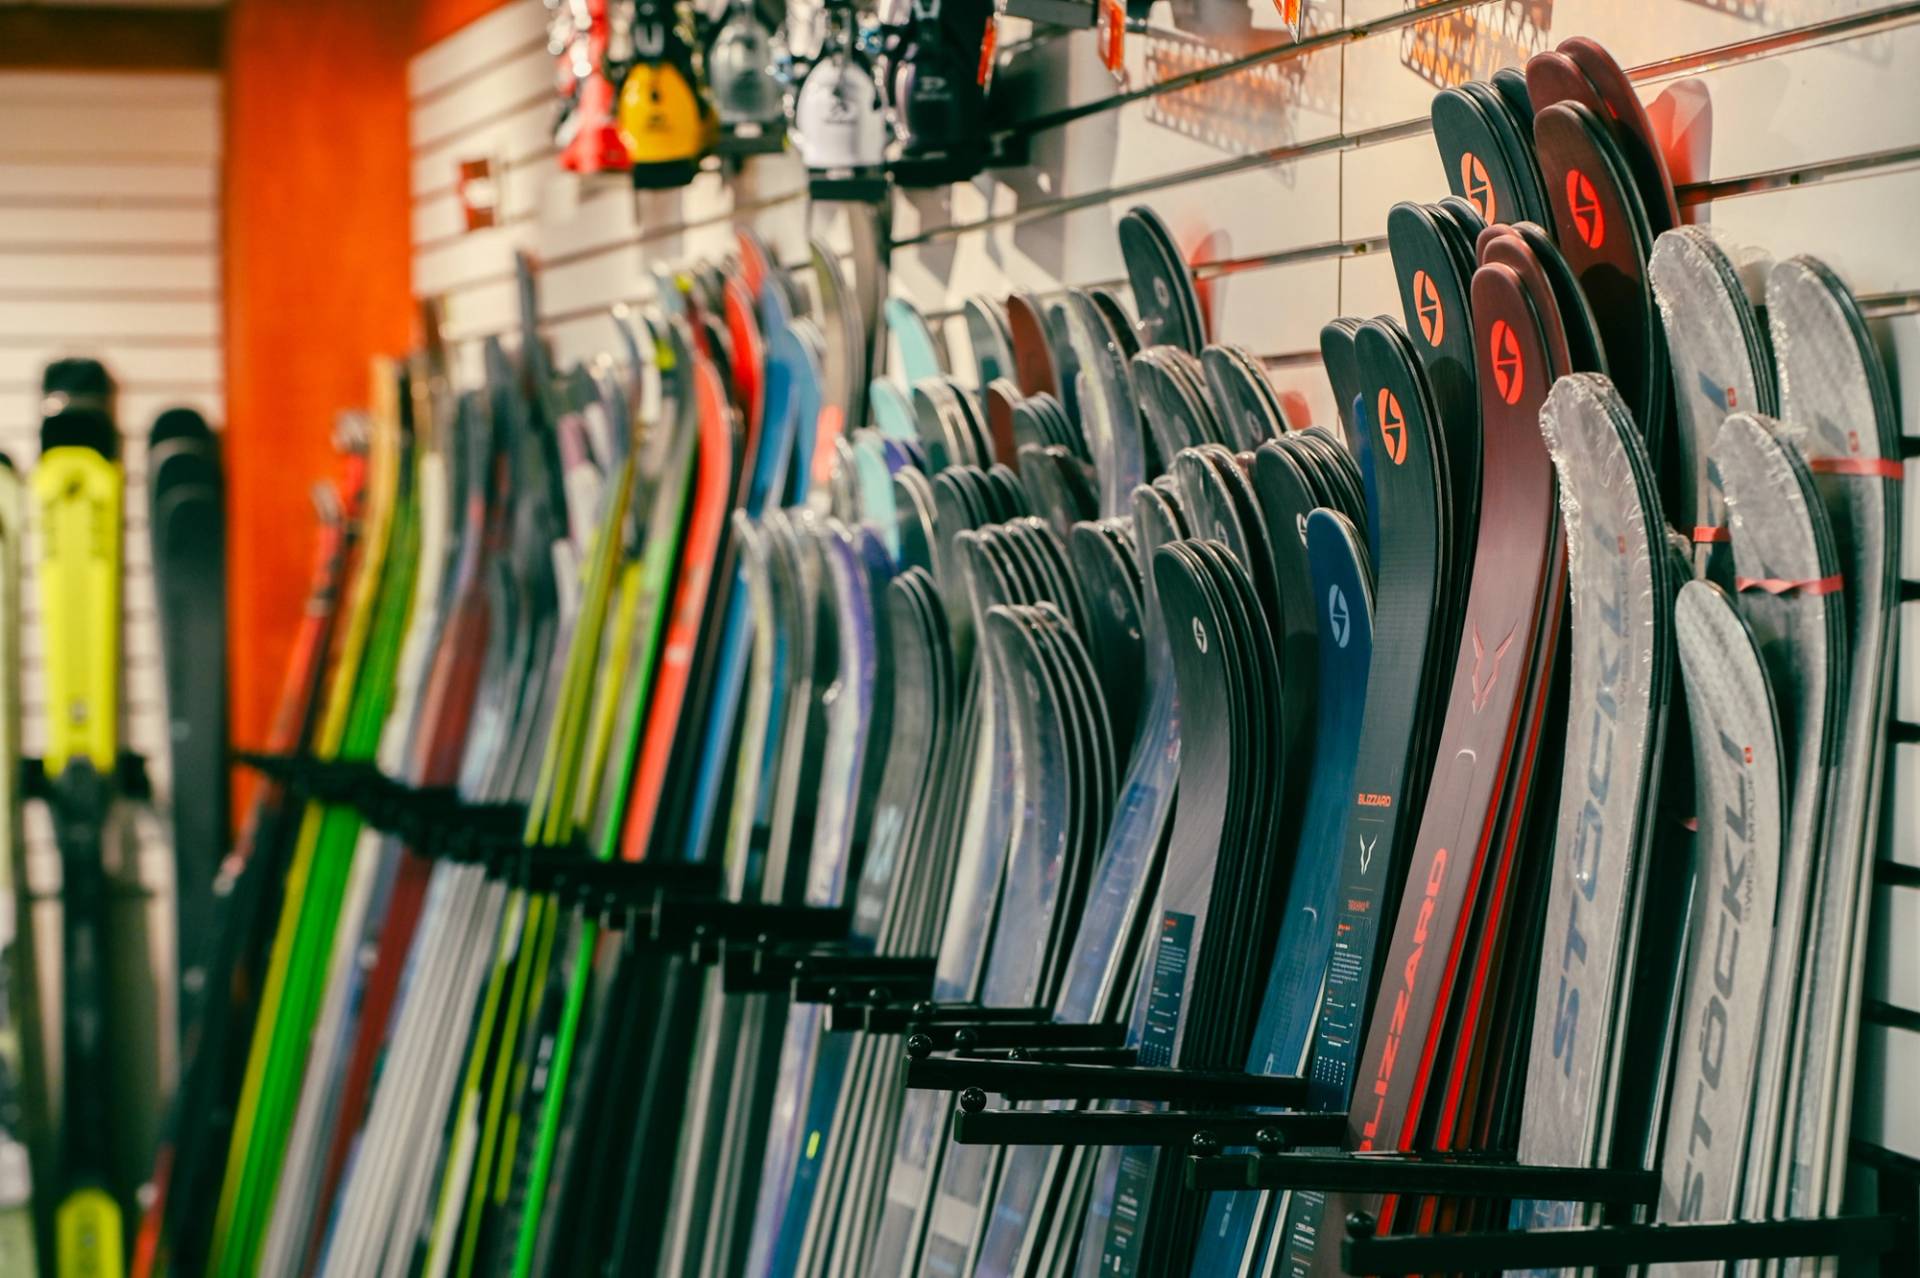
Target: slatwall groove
[
  {"x": 108, "y": 294},
  {"x": 441, "y": 121},
  {"x": 30, "y": 226},
  {"x": 504, "y": 58},
  {"x": 475, "y": 47},
  {"x": 88, "y": 129},
  {"x": 56, "y": 177},
  {"x": 21, "y": 364},
  {"x": 143, "y": 91}
]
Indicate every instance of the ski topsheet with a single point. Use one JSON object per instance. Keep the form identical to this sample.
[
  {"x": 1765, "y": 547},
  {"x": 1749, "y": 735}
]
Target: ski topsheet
[
  {"x": 187, "y": 523},
  {"x": 1493, "y": 716},
  {"x": 377, "y": 864},
  {"x": 1240, "y": 1225},
  {"x": 77, "y": 491},
  {"x": 1787, "y": 575},
  {"x": 1740, "y": 774},
  {"x": 1835, "y": 405},
  {"x": 189, "y": 1169},
  {"x": 317, "y": 878},
  {"x": 1721, "y": 365},
  {"x": 1620, "y": 662}
]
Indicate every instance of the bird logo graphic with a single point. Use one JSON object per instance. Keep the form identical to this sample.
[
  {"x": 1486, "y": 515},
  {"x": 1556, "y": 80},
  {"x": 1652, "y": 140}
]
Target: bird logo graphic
[
  {"x": 1477, "y": 186},
  {"x": 1486, "y": 673},
  {"x": 1426, "y": 306},
  {"x": 1509, "y": 368},
  {"x": 1583, "y": 205},
  {"x": 1393, "y": 427}
]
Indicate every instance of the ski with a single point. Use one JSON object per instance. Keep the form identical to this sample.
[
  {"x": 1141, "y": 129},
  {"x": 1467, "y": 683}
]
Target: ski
[
  {"x": 1790, "y": 593},
  {"x": 322, "y": 859},
  {"x": 77, "y": 493},
  {"x": 1620, "y": 660},
  {"x": 19, "y": 1249},
  {"x": 1830, "y": 374},
  {"x": 1462, "y": 848},
  {"x": 187, "y": 523},
  {"x": 1741, "y": 775}
]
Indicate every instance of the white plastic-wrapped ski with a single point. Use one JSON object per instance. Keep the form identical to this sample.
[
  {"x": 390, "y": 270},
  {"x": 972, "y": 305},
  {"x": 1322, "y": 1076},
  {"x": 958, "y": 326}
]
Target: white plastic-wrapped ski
[
  {"x": 1789, "y": 591},
  {"x": 1835, "y": 404},
  {"x": 1621, "y": 659},
  {"x": 1740, "y": 778}
]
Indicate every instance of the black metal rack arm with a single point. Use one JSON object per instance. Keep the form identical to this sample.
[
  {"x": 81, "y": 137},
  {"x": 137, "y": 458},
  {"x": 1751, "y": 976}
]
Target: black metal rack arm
[
  {"x": 1463, "y": 1176},
  {"x": 1019, "y": 1034},
  {"x": 1047, "y": 1080},
  {"x": 857, "y": 968},
  {"x": 434, "y": 821},
  {"x": 1606, "y": 1246},
  {"x": 846, "y": 1018},
  {"x": 867, "y": 988},
  {"x": 1177, "y": 1129},
  {"x": 1102, "y": 1056},
  {"x": 910, "y": 1017},
  {"x": 679, "y": 921},
  {"x": 810, "y": 972},
  {"x": 129, "y": 780}
]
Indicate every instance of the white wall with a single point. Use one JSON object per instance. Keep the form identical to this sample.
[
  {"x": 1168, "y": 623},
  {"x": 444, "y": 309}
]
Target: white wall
[
  {"x": 109, "y": 247},
  {"x": 1309, "y": 180}
]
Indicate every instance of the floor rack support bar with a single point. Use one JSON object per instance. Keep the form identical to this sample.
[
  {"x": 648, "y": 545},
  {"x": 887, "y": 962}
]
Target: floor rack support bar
[{"x": 1844, "y": 1237}]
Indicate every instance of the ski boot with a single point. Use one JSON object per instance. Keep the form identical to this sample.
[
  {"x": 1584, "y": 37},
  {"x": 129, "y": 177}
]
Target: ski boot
[{"x": 663, "y": 114}]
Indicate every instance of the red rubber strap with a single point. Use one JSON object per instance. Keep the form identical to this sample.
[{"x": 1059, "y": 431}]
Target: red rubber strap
[
  {"x": 1708, "y": 532},
  {"x": 1874, "y": 467},
  {"x": 1781, "y": 585}
]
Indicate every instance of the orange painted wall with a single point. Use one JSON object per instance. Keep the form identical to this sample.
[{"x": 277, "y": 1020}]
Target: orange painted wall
[{"x": 317, "y": 262}]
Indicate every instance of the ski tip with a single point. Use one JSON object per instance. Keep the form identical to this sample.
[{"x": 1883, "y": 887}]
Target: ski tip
[
  {"x": 78, "y": 380},
  {"x": 77, "y": 406},
  {"x": 179, "y": 423},
  {"x": 74, "y": 426}
]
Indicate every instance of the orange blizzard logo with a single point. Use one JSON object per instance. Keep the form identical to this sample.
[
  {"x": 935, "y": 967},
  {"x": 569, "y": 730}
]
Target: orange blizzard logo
[
  {"x": 1509, "y": 368},
  {"x": 1583, "y": 205},
  {"x": 1403, "y": 998},
  {"x": 1426, "y": 305},
  {"x": 1477, "y": 186},
  {"x": 1393, "y": 426}
]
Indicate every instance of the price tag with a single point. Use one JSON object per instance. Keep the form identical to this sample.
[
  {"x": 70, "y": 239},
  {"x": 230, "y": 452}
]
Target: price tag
[{"x": 479, "y": 193}]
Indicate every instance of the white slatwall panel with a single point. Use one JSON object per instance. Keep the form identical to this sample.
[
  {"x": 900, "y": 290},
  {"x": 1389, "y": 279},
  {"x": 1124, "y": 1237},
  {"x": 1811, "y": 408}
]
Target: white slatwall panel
[
  {"x": 109, "y": 240},
  {"x": 487, "y": 92},
  {"x": 1785, "y": 91}
]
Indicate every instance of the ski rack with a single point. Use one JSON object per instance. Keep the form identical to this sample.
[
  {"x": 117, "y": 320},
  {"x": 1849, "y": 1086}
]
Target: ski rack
[
  {"x": 665, "y": 905},
  {"x": 892, "y": 994},
  {"x": 434, "y": 822},
  {"x": 1293, "y": 1150}
]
